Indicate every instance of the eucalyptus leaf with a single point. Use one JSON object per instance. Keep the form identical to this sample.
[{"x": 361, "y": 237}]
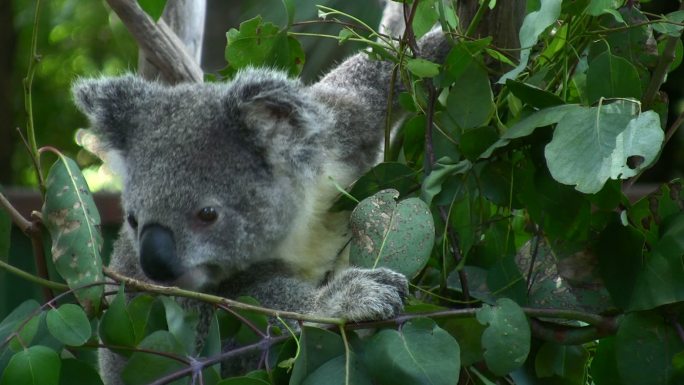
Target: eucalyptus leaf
[
  {"x": 526, "y": 126},
  {"x": 422, "y": 68},
  {"x": 506, "y": 341},
  {"x": 71, "y": 217},
  {"x": 69, "y": 324},
  {"x": 611, "y": 76},
  {"x": 534, "y": 24},
  {"x": 470, "y": 102},
  {"x": 387, "y": 233},
  {"x": 419, "y": 353},
  {"x": 116, "y": 327},
  {"x": 259, "y": 43},
  {"x": 592, "y": 145},
  {"x": 646, "y": 337},
  {"x": 143, "y": 368},
  {"x": 317, "y": 346},
  {"x": 37, "y": 365},
  {"x": 77, "y": 372},
  {"x": 154, "y": 8}
]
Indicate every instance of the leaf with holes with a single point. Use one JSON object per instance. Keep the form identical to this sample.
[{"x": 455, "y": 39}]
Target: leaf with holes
[
  {"x": 70, "y": 215},
  {"x": 593, "y": 144},
  {"x": 387, "y": 233}
]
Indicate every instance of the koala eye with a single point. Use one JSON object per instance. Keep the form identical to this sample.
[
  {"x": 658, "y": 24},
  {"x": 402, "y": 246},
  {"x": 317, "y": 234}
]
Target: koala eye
[
  {"x": 132, "y": 221},
  {"x": 207, "y": 214}
]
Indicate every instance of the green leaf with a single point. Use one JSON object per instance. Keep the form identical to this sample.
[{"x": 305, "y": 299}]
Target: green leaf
[
  {"x": 181, "y": 323},
  {"x": 154, "y": 8},
  {"x": 422, "y": 68},
  {"x": 384, "y": 176},
  {"x": 507, "y": 338},
  {"x": 592, "y": 145},
  {"x": 679, "y": 52},
  {"x": 425, "y": 18},
  {"x": 147, "y": 314},
  {"x": 504, "y": 278},
  {"x": 470, "y": 102},
  {"x": 599, "y": 7},
  {"x": 468, "y": 333},
  {"x": 75, "y": 372},
  {"x": 526, "y": 127},
  {"x": 143, "y": 368},
  {"x": 646, "y": 338},
  {"x": 37, "y": 365},
  {"x": 567, "y": 362},
  {"x": 661, "y": 279},
  {"x": 419, "y": 353},
  {"x": 533, "y": 25},
  {"x": 387, "y": 233},
  {"x": 619, "y": 251},
  {"x": 334, "y": 372},
  {"x": 18, "y": 315},
  {"x": 476, "y": 140},
  {"x": 69, "y": 324},
  {"x": 604, "y": 364},
  {"x": 441, "y": 172},
  {"x": 263, "y": 44},
  {"x": 116, "y": 327},
  {"x": 71, "y": 217},
  {"x": 669, "y": 28},
  {"x": 611, "y": 76},
  {"x": 290, "y": 10},
  {"x": 535, "y": 97},
  {"x": 318, "y": 346}
]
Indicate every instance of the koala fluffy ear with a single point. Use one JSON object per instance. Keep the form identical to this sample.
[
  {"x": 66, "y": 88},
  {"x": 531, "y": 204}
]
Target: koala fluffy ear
[
  {"x": 287, "y": 124},
  {"x": 111, "y": 105}
]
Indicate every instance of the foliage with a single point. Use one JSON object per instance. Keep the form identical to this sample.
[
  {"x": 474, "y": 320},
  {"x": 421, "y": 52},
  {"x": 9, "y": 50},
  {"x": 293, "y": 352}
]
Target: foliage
[{"x": 537, "y": 268}]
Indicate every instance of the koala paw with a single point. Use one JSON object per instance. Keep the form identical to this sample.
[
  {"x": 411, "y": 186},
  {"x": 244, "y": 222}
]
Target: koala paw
[{"x": 363, "y": 295}]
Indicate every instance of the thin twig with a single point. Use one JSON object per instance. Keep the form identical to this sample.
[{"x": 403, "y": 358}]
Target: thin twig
[
  {"x": 453, "y": 239},
  {"x": 32, "y": 278}
]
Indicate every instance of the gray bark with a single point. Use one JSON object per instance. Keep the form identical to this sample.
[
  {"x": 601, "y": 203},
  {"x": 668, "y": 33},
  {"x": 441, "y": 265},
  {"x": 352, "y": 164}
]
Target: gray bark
[{"x": 162, "y": 48}]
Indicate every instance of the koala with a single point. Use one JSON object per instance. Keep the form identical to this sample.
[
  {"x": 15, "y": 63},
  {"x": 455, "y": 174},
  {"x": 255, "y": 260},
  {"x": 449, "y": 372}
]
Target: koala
[{"x": 227, "y": 186}]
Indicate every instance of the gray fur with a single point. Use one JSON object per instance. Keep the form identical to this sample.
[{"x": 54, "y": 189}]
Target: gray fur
[{"x": 259, "y": 150}]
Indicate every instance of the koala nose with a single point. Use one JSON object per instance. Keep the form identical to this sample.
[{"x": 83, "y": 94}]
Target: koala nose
[{"x": 158, "y": 253}]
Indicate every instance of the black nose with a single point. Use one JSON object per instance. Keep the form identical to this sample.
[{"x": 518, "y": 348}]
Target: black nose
[{"x": 158, "y": 254}]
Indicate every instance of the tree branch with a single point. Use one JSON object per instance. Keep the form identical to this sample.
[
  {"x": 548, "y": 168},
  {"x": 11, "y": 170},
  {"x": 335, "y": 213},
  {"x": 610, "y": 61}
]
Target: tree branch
[
  {"x": 661, "y": 70},
  {"x": 161, "y": 46}
]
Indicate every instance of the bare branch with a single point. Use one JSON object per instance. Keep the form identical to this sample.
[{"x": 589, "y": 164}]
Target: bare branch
[{"x": 161, "y": 46}]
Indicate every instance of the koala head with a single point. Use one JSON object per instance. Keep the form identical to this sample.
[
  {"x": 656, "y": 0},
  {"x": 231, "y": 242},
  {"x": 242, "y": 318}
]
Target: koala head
[{"x": 213, "y": 173}]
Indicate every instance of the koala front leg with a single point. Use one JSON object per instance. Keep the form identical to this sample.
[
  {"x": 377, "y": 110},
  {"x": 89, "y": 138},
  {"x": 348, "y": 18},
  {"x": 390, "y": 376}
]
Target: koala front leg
[
  {"x": 353, "y": 294},
  {"x": 362, "y": 295}
]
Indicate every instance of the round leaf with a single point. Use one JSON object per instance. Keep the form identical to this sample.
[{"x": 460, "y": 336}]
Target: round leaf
[
  {"x": 506, "y": 341},
  {"x": 69, "y": 324},
  {"x": 611, "y": 76},
  {"x": 387, "y": 233},
  {"x": 420, "y": 353},
  {"x": 646, "y": 339},
  {"x": 37, "y": 365},
  {"x": 592, "y": 145}
]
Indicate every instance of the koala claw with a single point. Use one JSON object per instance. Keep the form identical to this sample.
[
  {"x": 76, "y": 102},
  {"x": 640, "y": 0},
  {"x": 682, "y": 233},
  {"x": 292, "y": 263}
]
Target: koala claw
[{"x": 363, "y": 295}]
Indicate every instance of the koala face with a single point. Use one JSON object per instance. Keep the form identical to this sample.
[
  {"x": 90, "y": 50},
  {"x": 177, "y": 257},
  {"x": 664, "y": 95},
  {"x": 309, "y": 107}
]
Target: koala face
[{"x": 213, "y": 173}]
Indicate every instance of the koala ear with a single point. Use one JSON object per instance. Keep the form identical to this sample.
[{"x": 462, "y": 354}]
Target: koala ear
[
  {"x": 287, "y": 124},
  {"x": 111, "y": 105}
]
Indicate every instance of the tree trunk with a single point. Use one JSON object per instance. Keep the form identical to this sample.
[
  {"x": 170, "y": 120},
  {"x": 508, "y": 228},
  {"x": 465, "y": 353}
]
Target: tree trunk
[
  {"x": 7, "y": 129},
  {"x": 502, "y": 23}
]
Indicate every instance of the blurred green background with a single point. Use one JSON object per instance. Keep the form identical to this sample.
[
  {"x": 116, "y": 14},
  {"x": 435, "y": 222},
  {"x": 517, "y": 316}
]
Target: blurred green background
[{"x": 84, "y": 38}]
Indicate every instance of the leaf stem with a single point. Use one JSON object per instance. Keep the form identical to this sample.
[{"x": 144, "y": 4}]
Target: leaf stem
[
  {"x": 32, "y": 278},
  {"x": 484, "y": 6},
  {"x": 34, "y": 58}
]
